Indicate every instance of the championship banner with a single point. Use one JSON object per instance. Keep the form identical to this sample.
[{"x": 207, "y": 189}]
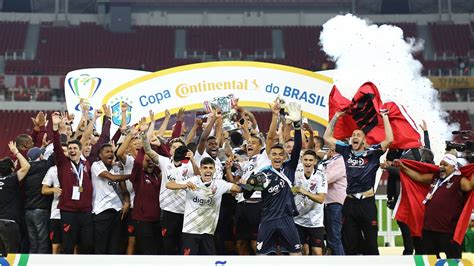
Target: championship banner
[
  {"x": 255, "y": 84},
  {"x": 463, "y": 82}
]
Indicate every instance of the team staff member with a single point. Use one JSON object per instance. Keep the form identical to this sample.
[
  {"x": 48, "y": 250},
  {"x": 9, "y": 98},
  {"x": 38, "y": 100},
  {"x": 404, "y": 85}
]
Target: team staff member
[
  {"x": 443, "y": 205},
  {"x": 146, "y": 211},
  {"x": 203, "y": 202},
  {"x": 75, "y": 201},
  {"x": 359, "y": 210}
]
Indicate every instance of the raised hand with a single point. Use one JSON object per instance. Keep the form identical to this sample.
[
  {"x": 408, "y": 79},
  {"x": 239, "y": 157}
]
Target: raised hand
[
  {"x": 294, "y": 112},
  {"x": 423, "y": 125},
  {"x": 143, "y": 125},
  {"x": 152, "y": 115},
  {"x": 12, "y": 147},
  {"x": 167, "y": 114},
  {"x": 98, "y": 113},
  {"x": 180, "y": 115},
  {"x": 124, "y": 107},
  {"x": 107, "y": 110},
  {"x": 56, "y": 118},
  {"x": 276, "y": 106}
]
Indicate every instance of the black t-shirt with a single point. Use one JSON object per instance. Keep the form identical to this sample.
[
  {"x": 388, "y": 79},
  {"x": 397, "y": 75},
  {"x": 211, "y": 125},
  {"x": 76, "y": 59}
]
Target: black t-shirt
[
  {"x": 10, "y": 200},
  {"x": 361, "y": 167}
]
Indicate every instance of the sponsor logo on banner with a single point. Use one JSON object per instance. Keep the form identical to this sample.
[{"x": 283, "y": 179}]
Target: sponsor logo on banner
[
  {"x": 184, "y": 90},
  {"x": 117, "y": 112},
  {"x": 84, "y": 87}
]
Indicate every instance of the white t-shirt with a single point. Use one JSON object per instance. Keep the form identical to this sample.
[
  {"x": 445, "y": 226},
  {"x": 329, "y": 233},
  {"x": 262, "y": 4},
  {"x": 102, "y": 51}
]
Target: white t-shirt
[
  {"x": 104, "y": 196},
  {"x": 203, "y": 205},
  {"x": 252, "y": 166},
  {"x": 173, "y": 200},
  {"x": 51, "y": 179},
  {"x": 127, "y": 170},
  {"x": 311, "y": 214},
  {"x": 218, "y": 164}
]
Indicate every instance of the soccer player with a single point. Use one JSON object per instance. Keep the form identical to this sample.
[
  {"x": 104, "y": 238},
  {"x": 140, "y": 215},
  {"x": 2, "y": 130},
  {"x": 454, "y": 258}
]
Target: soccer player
[
  {"x": 310, "y": 187},
  {"x": 277, "y": 226},
  {"x": 359, "y": 210},
  {"x": 203, "y": 202}
]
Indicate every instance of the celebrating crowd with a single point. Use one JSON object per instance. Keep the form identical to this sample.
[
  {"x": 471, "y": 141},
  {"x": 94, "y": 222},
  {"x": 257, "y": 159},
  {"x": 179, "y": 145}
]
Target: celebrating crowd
[{"x": 67, "y": 189}]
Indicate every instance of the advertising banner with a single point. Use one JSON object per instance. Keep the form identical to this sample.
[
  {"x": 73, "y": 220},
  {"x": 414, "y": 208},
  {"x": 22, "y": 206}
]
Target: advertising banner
[{"x": 255, "y": 84}]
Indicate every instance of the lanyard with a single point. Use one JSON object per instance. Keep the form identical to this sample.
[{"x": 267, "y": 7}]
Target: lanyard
[
  {"x": 79, "y": 174},
  {"x": 282, "y": 176},
  {"x": 438, "y": 184}
]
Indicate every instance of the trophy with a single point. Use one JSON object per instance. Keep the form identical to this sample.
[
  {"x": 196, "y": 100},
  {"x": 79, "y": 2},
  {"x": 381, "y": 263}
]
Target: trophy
[{"x": 226, "y": 104}]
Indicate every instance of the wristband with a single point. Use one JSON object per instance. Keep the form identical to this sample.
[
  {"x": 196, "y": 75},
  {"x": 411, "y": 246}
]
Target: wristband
[{"x": 297, "y": 125}]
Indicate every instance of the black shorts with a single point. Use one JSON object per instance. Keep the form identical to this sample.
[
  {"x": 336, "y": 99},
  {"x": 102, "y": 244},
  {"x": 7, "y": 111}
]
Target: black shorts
[
  {"x": 131, "y": 224},
  {"x": 198, "y": 244},
  {"x": 313, "y": 236},
  {"x": 55, "y": 232},
  {"x": 247, "y": 220},
  {"x": 280, "y": 232}
]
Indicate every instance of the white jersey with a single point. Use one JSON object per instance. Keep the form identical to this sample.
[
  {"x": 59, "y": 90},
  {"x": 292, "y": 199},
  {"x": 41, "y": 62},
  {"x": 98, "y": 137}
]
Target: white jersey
[
  {"x": 173, "y": 200},
  {"x": 51, "y": 179},
  {"x": 104, "y": 194},
  {"x": 252, "y": 166},
  {"x": 311, "y": 214},
  {"x": 219, "y": 174},
  {"x": 127, "y": 170},
  {"x": 203, "y": 205}
]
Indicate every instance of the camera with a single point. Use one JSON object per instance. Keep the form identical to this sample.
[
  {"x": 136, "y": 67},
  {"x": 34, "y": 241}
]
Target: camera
[{"x": 465, "y": 148}]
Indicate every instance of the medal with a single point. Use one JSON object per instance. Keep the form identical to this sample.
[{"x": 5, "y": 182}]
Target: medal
[{"x": 81, "y": 189}]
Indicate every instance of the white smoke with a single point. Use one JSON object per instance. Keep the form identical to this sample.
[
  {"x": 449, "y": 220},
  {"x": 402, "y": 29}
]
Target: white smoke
[{"x": 366, "y": 52}]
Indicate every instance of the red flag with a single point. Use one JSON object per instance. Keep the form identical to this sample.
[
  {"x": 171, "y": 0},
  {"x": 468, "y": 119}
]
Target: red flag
[
  {"x": 410, "y": 208},
  {"x": 465, "y": 217},
  {"x": 345, "y": 125},
  {"x": 364, "y": 113},
  {"x": 405, "y": 131}
]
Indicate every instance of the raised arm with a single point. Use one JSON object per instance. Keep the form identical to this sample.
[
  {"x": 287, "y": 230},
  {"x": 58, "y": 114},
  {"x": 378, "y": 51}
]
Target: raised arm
[
  {"x": 90, "y": 127},
  {"x": 329, "y": 133},
  {"x": 112, "y": 177},
  {"x": 388, "y": 131},
  {"x": 154, "y": 156},
  {"x": 24, "y": 164},
  {"x": 271, "y": 134},
  {"x": 205, "y": 134},
  {"x": 422, "y": 178},
  {"x": 178, "y": 127},
  {"x": 122, "y": 149},
  {"x": 307, "y": 127},
  {"x": 294, "y": 115},
  {"x": 164, "y": 125},
  {"x": 426, "y": 135},
  {"x": 192, "y": 133}
]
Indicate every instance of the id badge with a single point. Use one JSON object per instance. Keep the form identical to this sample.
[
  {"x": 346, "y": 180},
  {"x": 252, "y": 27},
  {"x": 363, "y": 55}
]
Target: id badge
[{"x": 76, "y": 194}]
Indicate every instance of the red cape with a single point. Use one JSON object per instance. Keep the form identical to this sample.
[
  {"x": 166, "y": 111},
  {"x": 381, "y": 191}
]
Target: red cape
[{"x": 410, "y": 208}]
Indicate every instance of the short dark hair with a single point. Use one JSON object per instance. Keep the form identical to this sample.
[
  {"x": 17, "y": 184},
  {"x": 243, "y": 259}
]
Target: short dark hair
[
  {"x": 257, "y": 137},
  {"x": 177, "y": 140},
  {"x": 105, "y": 145},
  {"x": 207, "y": 160},
  {"x": 210, "y": 137},
  {"x": 319, "y": 140},
  {"x": 75, "y": 141},
  {"x": 192, "y": 146},
  {"x": 290, "y": 139},
  {"x": 6, "y": 165},
  {"x": 21, "y": 140},
  {"x": 277, "y": 146},
  {"x": 311, "y": 152}
]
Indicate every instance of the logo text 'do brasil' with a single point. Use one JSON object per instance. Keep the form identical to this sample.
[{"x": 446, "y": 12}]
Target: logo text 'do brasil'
[{"x": 184, "y": 90}]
